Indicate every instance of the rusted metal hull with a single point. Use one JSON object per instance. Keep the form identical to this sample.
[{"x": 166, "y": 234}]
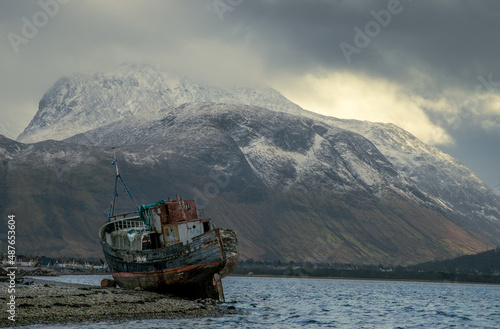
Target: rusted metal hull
[{"x": 182, "y": 269}]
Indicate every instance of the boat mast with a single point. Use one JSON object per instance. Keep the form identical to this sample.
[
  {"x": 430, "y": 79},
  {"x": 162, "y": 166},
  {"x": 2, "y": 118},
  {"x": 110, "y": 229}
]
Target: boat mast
[{"x": 115, "y": 194}]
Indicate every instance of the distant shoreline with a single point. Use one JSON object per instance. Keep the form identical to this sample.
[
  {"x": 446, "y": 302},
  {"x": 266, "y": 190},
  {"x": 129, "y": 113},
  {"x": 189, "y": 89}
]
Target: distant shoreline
[
  {"x": 483, "y": 268},
  {"x": 302, "y": 277},
  {"x": 242, "y": 271},
  {"x": 355, "y": 279}
]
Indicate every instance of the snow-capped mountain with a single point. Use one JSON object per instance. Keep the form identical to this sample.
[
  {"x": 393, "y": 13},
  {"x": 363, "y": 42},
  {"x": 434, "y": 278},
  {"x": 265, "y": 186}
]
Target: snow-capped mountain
[
  {"x": 391, "y": 158},
  {"x": 85, "y": 101},
  {"x": 269, "y": 141},
  {"x": 294, "y": 188},
  {"x": 282, "y": 176}
]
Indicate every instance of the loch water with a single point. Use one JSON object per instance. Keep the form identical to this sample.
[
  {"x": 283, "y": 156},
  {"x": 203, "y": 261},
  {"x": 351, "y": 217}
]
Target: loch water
[{"x": 334, "y": 303}]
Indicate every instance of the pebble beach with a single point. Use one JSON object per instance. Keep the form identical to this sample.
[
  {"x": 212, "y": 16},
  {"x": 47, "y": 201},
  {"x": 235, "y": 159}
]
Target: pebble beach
[{"x": 49, "y": 302}]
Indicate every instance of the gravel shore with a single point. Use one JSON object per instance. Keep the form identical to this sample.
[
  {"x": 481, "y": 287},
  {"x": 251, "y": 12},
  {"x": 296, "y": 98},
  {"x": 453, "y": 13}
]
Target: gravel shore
[{"x": 47, "y": 302}]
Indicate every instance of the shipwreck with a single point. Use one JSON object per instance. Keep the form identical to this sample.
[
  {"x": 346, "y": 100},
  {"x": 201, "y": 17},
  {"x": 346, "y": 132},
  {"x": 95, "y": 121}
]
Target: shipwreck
[{"x": 165, "y": 247}]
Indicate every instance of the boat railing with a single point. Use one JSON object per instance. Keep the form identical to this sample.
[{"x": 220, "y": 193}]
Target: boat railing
[{"x": 125, "y": 225}]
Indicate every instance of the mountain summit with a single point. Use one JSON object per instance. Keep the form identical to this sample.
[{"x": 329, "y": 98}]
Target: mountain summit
[{"x": 85, "y": 101}]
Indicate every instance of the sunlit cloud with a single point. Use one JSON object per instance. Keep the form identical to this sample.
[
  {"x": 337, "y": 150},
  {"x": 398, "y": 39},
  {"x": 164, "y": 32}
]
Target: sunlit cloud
[{"x": 351, "y": 96}]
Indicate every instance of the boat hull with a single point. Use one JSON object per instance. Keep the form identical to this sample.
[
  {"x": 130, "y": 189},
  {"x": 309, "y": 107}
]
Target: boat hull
[{"x": 188, "y": 270}]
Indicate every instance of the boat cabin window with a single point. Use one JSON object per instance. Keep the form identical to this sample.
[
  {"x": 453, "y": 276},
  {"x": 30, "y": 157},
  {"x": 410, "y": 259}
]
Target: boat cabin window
[
  {"x": 151, "y": 241},
  {"x": 147, "y": 243},
  {"x": 206, "y": 226}
]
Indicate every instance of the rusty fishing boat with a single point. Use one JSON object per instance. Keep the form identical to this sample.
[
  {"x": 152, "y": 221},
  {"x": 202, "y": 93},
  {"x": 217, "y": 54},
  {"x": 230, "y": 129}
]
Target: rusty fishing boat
[{"x": 165, "y": 247}]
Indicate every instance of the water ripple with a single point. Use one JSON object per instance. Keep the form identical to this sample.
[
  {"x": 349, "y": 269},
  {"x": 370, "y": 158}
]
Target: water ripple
[{"x": 323, "y": 303}]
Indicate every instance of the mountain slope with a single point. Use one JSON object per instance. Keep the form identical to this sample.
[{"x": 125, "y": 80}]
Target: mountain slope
[
  {"x": 486, "y": 262},
  {"x": 459, "y": 191},
  {"x": 85, "y": 101},
  {"x": 293, "y": 188}
]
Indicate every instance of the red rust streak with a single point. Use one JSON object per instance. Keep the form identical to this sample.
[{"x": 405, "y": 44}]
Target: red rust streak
[{"x": 168, "y": 270}]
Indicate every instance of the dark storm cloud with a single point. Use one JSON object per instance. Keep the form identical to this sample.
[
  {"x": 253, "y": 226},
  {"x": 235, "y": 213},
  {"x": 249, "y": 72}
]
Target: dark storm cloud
[{"x": 452, "y": 41}]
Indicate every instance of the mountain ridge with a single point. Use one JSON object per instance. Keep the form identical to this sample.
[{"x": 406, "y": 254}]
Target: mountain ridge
[{"x": 335, "y": 200}]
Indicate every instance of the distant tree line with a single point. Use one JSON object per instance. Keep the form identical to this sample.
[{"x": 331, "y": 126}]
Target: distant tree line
[
  {"x": 483, "y": 268},
  {"x": 44, "y": 261}
]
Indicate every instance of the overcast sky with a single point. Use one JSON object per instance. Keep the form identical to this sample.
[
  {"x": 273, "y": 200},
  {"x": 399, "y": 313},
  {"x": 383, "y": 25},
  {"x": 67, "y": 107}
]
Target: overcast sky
[{"x": 431, "y": 67}]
